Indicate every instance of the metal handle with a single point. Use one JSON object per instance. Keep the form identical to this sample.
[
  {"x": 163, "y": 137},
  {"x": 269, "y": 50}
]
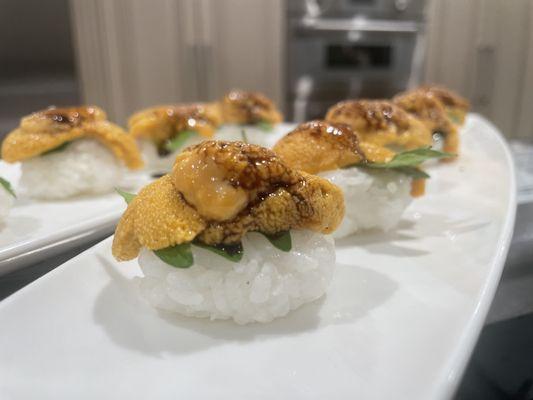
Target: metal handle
[
  {"x": 359, "y": 25},
  {"x": 484, "y": 83}
]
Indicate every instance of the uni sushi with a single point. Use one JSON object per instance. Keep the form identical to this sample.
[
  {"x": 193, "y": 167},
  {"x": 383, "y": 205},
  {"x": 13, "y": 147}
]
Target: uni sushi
[
  {"x": 231, "y": 232},
  {"x": 251, "y": 112},
  {"x": 442, "y": 111},
  {"x": 163, "y": 131},
  {"x": 381, "y": 123},
  {"x": 7, "y": 197},
  {"x": 378, "y": 184},
  {"x": 69, "y": 151}
]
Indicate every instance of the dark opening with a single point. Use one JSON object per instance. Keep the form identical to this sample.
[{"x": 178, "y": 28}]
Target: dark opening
[{"x": 356, "y": 56}]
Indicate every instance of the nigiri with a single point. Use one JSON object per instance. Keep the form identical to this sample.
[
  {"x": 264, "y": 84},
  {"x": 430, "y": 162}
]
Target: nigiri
[
  {"x": 231, "y": 232},
  {"x": 70, "y": 151},
  {"x": 441, "y": 110},
  {"x": 7, "y": 196},
  {"x": 163, "y": 131},
  {"x": 377, "y": 183},
  {"x": 382, "y": 123},
  {"x": 248, "y": 116}
]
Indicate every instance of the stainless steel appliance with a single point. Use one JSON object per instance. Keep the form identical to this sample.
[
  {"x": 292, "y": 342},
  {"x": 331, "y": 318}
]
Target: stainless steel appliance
[{"x": 341, "y": 49}]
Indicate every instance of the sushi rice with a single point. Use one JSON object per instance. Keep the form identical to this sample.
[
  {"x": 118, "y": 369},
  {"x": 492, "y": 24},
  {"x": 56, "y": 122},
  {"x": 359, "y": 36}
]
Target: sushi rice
[
  {"x": 373, "y": 199},
  {"x": 154, "y": 162},
  {"x": 85, "y": 166},
  {"x": 266, "y": 284},
  {"x": 6, "y": 202},
  {"x": 252, "y": 134}
]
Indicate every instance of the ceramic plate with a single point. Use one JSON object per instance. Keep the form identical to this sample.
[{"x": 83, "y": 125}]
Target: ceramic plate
[
  {"x": 398, "y": 322},
  {"x": 34, "y": 229}
]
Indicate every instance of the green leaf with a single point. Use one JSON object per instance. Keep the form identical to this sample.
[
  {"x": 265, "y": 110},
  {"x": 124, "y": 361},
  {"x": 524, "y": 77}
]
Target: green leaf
[
  {"x": 413, "y": 172},
  {"x": 280, "y": 240},
  {"x": 265, "y": 126},
  {"x": 179, "y": 256},
  {"x": 454, "y": 118},
  {"x": 233, "y": 252},
  {"x": 407, "y": 162},
  {"x": 244, "y": 136},
  {"x": 57, "y": 149},
  {"x": 128, "y": 197},
  {"x": 7, "y": 186},
  {"x": 178, "y": 140},
  {"x": 411, "y": 158}
]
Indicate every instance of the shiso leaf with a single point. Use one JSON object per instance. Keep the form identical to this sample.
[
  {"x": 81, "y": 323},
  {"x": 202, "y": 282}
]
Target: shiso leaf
[
  {"x": 244, "y": 136},
  {"x": 128, "y": 197},
  {"x": 233, "y": 252},
  {"x": 264, "y": 125},
  {"x": 177, "y": 141},
  {"x": 454, "y": 118},
  {"x": 407, "y": 162},
  {"x": 413, "y": 172},
  {"x": 57, "y": 149},
  {"x": 411, "y": 158},
  {"x": 7, "y": 186},
  {"x": 179, "y": 256},
  {"x": 280, "y": 240}
]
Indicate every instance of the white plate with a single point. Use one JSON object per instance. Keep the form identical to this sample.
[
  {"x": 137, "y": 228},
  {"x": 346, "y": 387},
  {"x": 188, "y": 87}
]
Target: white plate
[
  {"x": 399, "y": 320},
  {"x": 35, "y": 229}
]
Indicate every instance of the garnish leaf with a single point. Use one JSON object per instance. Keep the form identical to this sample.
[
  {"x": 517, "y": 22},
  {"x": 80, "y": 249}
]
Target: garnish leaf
[
  {"x": 411, "y": 158},
  {"x": 280, "y": 240},
  {"x": 233, "y": 252},
  {"x": 57, "y": 149},
  {"x": 455, "y": 119},
  {"x": 407, "y": 162},
  {"x": 179, "y": 256},
  {"x": 244, "y": 136},
  {"x": 128, "y": 197},
  {"x": 177, "y": 141},
  {"x": 7, "y": 186},
  {"x": 413, "y": 172},
  {"x": 264, "y": 125}
]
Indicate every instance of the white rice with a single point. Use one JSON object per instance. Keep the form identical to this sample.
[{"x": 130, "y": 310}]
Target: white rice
[
  {"x": 85, "y": 166},
  {"x": 266, "y": 284},
  {"x": 6, "y": 202},
  {"x": 154, "y": 162},
  {"x": 252, "y": 134},
  {"x": 373, "y": 199}
]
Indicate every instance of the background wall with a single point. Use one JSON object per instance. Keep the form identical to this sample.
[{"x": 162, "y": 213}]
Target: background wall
[
  {"x": 37, "y": 61},
  {"x": 484, "y": 49},
  {"x": 135, "y": 53}
]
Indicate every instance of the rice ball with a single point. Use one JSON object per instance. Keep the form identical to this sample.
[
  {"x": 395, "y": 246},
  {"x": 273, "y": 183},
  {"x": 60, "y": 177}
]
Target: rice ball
[
  {"x": 6, "y": 202},
  {"x": 154, "y": 162},
  {"x": 252, "y": 134},
  {"x": 373, "y": 199},
  {"x": 266, "y": 284},
  {"x": 85, "y": 166}
]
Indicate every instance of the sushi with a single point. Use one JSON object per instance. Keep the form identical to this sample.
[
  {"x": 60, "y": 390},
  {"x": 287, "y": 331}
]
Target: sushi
[
  {"x": 163, "y": 131},
  {"x": 382, "y": 123},
  {"x": 248, "y": 116},
  {"x": 377, "y": 183},
  {"x": 7, "y": 197},
  {"x": 231, "y": 233},
  {"x": 442, "y": 111},
  {"x": 69, "y": 151}
]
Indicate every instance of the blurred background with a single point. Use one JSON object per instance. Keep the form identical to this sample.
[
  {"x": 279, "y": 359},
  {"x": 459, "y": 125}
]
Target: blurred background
[
  {"x": 305, "y": 54},
  {"x": 124, "y": 55}
]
